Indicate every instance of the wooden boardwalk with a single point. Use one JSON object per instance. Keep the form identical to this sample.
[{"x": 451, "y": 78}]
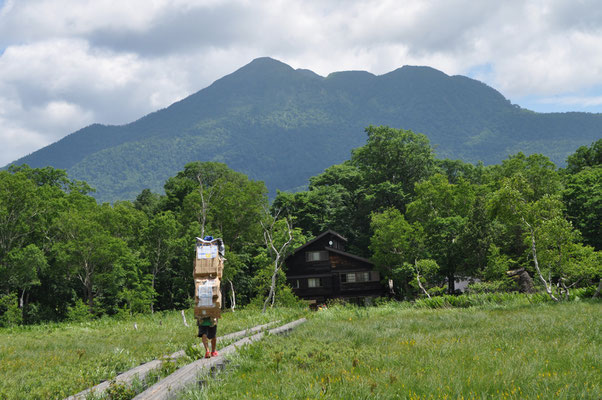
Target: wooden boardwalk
[
  {"x": 189, "y": 374},
  {"x": 142, "y": 371}
]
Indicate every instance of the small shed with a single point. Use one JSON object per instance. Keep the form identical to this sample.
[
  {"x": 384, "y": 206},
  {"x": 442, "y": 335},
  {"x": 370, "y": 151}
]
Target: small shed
[{"x": 321, "y": 270}]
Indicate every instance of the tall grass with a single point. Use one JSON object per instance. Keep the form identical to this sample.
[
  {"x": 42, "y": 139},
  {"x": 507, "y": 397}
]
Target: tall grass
[
  {"x": 521, "y": 351},
  {"x": 53, "y": 361}
]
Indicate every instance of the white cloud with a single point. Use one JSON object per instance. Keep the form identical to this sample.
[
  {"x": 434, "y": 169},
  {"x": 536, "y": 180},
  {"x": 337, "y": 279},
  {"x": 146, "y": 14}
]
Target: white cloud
[
  {"x": 68, "y": 63},
  {"x": 584, "y": 101}
]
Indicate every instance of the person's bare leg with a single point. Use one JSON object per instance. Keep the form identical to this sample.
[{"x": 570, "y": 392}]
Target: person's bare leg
[
  {"x": 213, "y": 344},
  {"x": 206, "y": 344}
]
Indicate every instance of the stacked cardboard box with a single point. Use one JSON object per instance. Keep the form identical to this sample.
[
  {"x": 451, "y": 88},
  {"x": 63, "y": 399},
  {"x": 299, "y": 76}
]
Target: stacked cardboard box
[{"x": 208, "y": 269}]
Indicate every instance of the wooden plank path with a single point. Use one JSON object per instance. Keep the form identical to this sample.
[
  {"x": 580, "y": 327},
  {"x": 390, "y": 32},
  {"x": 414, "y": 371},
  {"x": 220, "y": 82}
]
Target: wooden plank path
[
  {"x": 189, "y": 374},
  {"x": 142, "y": 371}
]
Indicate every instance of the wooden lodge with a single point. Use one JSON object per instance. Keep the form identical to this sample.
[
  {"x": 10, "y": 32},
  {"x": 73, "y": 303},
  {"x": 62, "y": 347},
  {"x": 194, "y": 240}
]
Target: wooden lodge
[{"x": 321, "y": 270}]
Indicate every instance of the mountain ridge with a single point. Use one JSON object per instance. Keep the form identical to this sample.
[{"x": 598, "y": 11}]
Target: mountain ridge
[{"x": 283, "y": 125}]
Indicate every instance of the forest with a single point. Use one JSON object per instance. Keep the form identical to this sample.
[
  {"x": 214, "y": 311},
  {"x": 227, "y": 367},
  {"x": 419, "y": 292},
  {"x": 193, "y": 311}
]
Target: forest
[{"x": 423, "y": 221}]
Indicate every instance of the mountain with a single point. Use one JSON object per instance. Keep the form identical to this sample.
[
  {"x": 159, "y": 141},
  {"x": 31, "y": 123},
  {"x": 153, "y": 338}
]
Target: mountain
[{"x": 282, "y": 125}]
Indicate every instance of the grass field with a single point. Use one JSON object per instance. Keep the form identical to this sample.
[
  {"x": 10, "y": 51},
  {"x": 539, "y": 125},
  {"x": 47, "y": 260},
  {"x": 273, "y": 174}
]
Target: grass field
[
  {"x": 541, "y": 351},
  {"x": 54, "y": 361}
]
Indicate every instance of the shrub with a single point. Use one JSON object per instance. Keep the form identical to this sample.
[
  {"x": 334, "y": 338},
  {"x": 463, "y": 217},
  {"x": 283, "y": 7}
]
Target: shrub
[
  {"x": 437, "y": 290},
  {"x": 286, "y": 298},
  {"x": 10, "y": 313},
  {"x": 78, "y": 312},
  {"x": 337, "y": 302},
  {"x": 502, "y": 285}
]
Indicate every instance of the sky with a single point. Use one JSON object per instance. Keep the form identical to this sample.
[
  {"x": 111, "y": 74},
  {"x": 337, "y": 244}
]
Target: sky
[{"x": 65, "y": 64}]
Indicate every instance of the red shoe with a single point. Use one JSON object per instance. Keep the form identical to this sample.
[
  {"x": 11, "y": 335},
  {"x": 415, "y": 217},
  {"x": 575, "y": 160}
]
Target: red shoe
[
  {"x": 207, "y": 355},
  {"x": 214, "y": 354}
]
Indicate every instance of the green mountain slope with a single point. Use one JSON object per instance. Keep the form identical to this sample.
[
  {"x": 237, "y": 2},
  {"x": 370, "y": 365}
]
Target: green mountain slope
[{"x": 282, "y": 125}]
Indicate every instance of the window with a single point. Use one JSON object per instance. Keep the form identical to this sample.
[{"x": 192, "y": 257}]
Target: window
[
  {"x": 368, "y": 276},
  {"x": 314, "y": 282},
  {"x": 316, "y": 256},
  {"x": 295, "y": 283}
]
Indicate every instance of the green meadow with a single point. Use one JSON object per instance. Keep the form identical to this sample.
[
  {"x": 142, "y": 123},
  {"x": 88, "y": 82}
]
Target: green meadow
[
  {"x": 53, "y": 361},
  {"x": 394, "y": 351},
  {"x": 540, "y": 351}
]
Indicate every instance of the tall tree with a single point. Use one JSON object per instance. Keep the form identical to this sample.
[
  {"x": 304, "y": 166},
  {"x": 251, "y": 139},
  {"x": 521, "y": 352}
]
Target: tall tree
[
  {"x": 396, "y": 246},
  {"x": 160, "y": 243},
  {"x": 392, "y": 161},
  {"x": 583, "y": 192},
  {"x": 21, "y": 211},
  {"x": 25, "y": 267},
  {"x": 551, "y": 239},
  {"x": 87, "y": 248},
  {"x": 583, "y": 198},
  {"x": 444, "y": 210}
]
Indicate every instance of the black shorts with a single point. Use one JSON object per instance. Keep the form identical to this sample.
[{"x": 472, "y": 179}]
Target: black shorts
[{"x": 210, "y": 331}]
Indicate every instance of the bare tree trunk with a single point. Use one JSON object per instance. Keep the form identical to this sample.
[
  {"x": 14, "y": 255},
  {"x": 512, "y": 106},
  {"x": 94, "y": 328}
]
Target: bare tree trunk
[
  {"x": 184, "y": 319},
  {"x": 89, "y": 287},
  {"x": 547, "y": 285},
  {"x": 232, "y": 296},
  {"x": 418, "y": 279},
  {"x": 152, "y": 308},
  {"x": 90, "y": 300},
  {"x": 271, "y": 294},
  {"x": 268, "y": 235},
  {"x": 274, "y": 291},
  {"x": 205, "y": 202}
]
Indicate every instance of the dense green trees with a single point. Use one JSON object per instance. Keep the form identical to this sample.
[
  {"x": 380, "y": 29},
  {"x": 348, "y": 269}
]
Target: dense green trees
[
  {"x": 583, "y": 192},
  {"x": 423, "y": 221},
  {"x": 398, "y": 204},
  {"x": 62, "y": 254}
]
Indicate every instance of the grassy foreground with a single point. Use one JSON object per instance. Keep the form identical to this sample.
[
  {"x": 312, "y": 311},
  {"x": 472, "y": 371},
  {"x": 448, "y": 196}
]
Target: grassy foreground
[
  {"x": 54, "y": 361},
  {"x": 542, "y": 351}
]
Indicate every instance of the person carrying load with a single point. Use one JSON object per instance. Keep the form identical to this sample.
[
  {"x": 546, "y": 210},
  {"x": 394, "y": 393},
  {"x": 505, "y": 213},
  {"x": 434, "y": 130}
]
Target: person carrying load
[{"x": 208, "y": 267}]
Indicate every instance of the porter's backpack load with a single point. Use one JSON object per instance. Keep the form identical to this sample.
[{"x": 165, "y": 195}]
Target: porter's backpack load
[
  {"x": 208, "y": 269},
  {"x": 208, "y": 260},
  {"x": 207, "y": 298}
]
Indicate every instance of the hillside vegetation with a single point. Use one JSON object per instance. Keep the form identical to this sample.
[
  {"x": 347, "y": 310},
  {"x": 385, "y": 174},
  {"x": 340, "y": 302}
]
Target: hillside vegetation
[{"x": 282, "y": 126}]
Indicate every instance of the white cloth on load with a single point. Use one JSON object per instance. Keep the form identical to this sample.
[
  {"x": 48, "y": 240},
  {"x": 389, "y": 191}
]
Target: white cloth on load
[{"x": 205, "y": 293}]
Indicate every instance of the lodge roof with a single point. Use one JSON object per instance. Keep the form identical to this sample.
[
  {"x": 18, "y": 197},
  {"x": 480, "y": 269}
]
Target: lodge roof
[
  {"x": 320, "y": 236},
  {"x": 331, "y": 249}
]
